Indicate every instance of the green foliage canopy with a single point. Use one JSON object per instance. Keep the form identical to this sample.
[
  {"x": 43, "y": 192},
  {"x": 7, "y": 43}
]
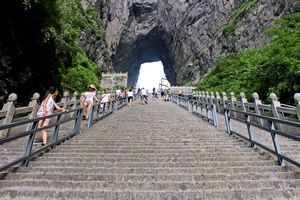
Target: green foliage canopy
[{"x": 273, "y": 68}]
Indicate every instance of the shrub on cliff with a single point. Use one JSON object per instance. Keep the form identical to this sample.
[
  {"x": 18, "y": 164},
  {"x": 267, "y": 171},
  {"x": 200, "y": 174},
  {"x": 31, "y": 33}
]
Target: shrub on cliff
[{"x": 273, "y": 68}]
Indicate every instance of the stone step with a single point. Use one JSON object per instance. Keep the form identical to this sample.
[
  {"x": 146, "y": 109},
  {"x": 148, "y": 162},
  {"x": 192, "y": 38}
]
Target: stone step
[
  {"x": 50, "y": 194},
  {"x": 148, "y": 149},
  {"x": 153, "y": 158},
  {"x": 149, "y": 170},
  {"x": 155, "y": 164},
  {"x": 56, "y": 176},
  {"x": 119, "y": 154},
  {"x": 61, "y": 185}
]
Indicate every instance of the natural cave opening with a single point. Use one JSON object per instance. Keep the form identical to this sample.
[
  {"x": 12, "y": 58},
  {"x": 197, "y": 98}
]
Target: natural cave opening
[
  {"x": 133, "y": 51},
  {"x": 151, "y": 76}
]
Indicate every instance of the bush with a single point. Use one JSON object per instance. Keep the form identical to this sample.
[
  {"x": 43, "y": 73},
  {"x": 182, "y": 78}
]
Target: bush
[{"x": 273, "y": 68}]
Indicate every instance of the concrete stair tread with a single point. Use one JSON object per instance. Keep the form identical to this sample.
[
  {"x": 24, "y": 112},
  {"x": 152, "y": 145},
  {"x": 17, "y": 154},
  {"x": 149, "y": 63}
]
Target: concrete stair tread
[
  {"x": 126, "y": 156},
  {"x": 254, "y": 194},
  {"x": 150, "y": 185},
  {"x": 189, "y": 177},
  {"x": 151, "y": 170}
]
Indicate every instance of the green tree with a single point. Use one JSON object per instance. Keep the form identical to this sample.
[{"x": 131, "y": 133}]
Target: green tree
[{"x": 273, "y": 68}]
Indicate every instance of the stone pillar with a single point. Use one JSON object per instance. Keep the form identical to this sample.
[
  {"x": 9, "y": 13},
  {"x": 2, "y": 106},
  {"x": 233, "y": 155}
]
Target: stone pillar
[
  {"x": 212, "y": 97},
  {"x": 10, "y": 109},
  {"x": 256, "y": 103},
  {"x": 297, "y": 99},
  {"x": 243, "y": 101},
  {"x": 35, "y": 106},
  {"x": 74, "y": 100},
  {"x": 224, "y": 99},
  {"x": 65, "y": 100},
  {"x": 275, "y": 104},
  {"x": 233, "y": 99},
  {"x": 218, "y": 98}
]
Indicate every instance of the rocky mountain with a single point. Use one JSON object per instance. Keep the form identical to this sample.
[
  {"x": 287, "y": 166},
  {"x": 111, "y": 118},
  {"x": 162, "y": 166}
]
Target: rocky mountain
[{"x": 186, "y": 35}]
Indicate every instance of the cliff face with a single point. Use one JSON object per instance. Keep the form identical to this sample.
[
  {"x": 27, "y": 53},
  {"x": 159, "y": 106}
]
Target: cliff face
[{"x": 185, "y": 35}]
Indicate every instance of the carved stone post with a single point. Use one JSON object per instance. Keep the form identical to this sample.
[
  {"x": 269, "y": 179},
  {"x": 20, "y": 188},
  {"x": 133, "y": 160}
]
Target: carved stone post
[
  {"x": 65, "y": 100},
  {"x": 224, "y": 99},
  {"x": 74, "y": 100},
  {"x": 275, "y": 104},
  {"x": 226, "y": 113},
  {"x": 10, "y": 109},
  {"x": 35, "y": 106},
  {"x": 218, "y": 98},
  {"x": 232, "y": 99},
  {"x": 256, "y": 103},
  {"x": 243, "y": 101},
  {"x": 247, "y": 118},
  {"x": 297, "y": 99},
  {"x": 207, "y": 103},
  {"x": 214, "y": 109}
]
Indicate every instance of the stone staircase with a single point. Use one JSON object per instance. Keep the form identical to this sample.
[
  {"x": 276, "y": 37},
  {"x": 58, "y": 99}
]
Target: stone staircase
[{"x": 154, "y": 151}]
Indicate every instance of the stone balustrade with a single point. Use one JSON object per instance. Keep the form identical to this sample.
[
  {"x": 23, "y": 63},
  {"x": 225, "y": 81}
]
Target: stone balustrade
[
  {"x": 274, "y": 109},
  {"x": 11, "y": 113}
]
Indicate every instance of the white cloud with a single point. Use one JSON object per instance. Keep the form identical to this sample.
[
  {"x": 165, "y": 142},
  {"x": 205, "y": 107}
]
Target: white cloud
[{"x": 151, "y": 75}]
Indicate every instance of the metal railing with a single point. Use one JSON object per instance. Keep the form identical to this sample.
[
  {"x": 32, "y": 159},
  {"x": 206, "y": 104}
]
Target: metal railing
[
  {"x": 100, "y": 110},
  {"x": 275, "y": 119},
  {"x": 274, "y": 132},
  {"x": 61, "y": 118},
  {"x": 200, "y": 107}
]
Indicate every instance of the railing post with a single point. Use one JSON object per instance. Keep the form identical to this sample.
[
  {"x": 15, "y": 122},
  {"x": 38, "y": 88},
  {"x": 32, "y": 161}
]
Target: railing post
[
  {"x": 10, "y": 109},
  {"x": 249, "y": 128},
  {"x": 243, "y": 101},
  {"x": 297, "y": 99},
  {"x": 190, "y": 105},
  {"x": 74, "y": 100},
  {"x": 207, "y": 98},
  {"x": 56, "y": 129},
  {"x": 115, "y": 105},
  {"x": 35, "y": 106},
  {"x": 274, "y": 105},
  {"x": 218, "y": 98},
  {"x": 91, "y": 115},
  {"x": 64, "y": 100},
  {"x": 30, "y": 143},
  {"x": 214, "y": 109},
  {"x": 226, "y": 114},
  {"x": 111, "y": 106},
  {"x": 256, "y": 103},
  {"x": 224, "y": 99},
  {"x": 276, "y": 145},
  {"x": 232, "y": 100},
  {"x": 77, "y": 125}
]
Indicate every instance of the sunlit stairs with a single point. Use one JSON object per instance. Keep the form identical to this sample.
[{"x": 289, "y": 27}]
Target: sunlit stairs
[{"x": 154, "y": 151}]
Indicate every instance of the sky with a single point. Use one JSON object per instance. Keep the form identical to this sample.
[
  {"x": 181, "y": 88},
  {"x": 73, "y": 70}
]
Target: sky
[{"x": 150, "y": 75}]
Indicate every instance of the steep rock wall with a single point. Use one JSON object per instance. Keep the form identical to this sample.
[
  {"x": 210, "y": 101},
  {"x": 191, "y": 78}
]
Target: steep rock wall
[{"x": 185, "y": 35}]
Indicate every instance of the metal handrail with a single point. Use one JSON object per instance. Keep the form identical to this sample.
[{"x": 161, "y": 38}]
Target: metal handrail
[
  {"x": 231, "y": 112},
  {"x": 28, "y": 153},
  {"x": 271, "y": 129},
  {"x": 100, "y": 110}
]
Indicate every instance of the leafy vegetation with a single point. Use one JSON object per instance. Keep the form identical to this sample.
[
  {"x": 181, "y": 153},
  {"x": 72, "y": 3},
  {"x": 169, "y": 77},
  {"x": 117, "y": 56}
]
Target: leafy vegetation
[
  {"x": 273, "y": 68},
  {"x": 39, "y": 46},
  {"x": 238, "y": 11}
]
